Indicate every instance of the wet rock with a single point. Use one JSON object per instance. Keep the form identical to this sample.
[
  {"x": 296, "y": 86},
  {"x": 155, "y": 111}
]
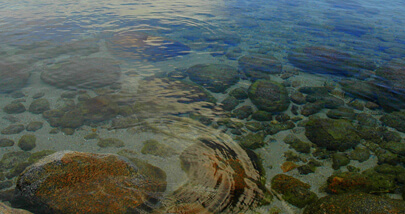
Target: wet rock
[
  {"x": 339, "y": 160},
  {"x": 326, "y": 60},
  {"x": 372, "y": 105},
  {"x": 272, "y": 127},
  {"x": 34, "y": 126},
  {"x": 14, "y": 108},
  {"x": 141, "y": 46},
  {"x": 366, "y": 120},
  {"x": 153, "y": 147},
  {"x": 359, "y": 89},
  {"x": 80, "y": 73},
  {"x": 269, "y": 96},
  {"x": 5, "y": 142},
  {"x": 341, "y": 113},
  {"x": 298, "y": 98},
  {"x": 12, "y": 159},
  {"x": 13, "y": 129},
  {"x": 293, "y": 190},
  {"x": 110, "y": 142},
  {"x": 98, "y": 109},
  {"x": 72, "y": 119},
  {"x": 356, "y": 104},
  {"x": 229, "y": 103},
  {"x": 38, "y": 95},
  {"x": 252, "y": 140},
  {"x": 255, "y": 66},
  {"x": 297, "y": 144},
  {"x": 214, "y": 77},
  {"x": 75, "y": 182},
  {"x": 394, "y": 147},
  {"x": 242, "y": 112},
  {"x": 239, "y": 93},
  {"x": 312, "y": 108},
  {"x": 262, "y": 116},
  {"x": 13, "y": 77},
  {"x": 225, "y": 169},
  {"x": 332, "y": 134},
  {"x": 395, "y": 120},
  {"x": 355, "y": 203},
  {"x": 254, "y": 126},
  {"x": 360, "y": 154},
  {"x": 27, "y": 142},
  {"x": 288, "y": 166},
  {"x": 310, "y": 167},
  {"x": 39, "y": 106}
]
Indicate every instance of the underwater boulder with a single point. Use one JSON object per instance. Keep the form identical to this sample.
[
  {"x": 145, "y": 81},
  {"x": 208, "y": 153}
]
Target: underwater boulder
[
  {"x": 13, "y": 77},
  {"x": 214, "y": 77},
  {"x": 77, "y": 73},
  {"x": 355, "y": 203},
  {"x": 326, "y": 60},
  {"x": 332, "y": 134},
  {"x": 257, "y": 65},
  {"x": 142, "y": 46},
  {"x": 76, "y": 182},
  {"x": 395, "y": 120},
  {"x": 269, "y": 96}
]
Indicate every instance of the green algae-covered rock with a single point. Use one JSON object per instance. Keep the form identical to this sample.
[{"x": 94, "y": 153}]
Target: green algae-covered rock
[
  {"x": 110, "y": 142},
  {"x": 293, "y": 190},
  {"x": 153, "y": 147},
  {"x": 360, "y": 154},
  {"x": 338, "y": 160},
  {"x": 395, "y": 120},
  {"x": 72, "y": 119},
  {"x": 262, "y": 116},
  {"x": 75, "y": 182},
  {"x": 5, "y": 142},
  {"x": 269, "y": 96},
  {"x": 255, "y": 66},
  {"x": 229, "y": 103},
  {"x": 252, "y": 140},
  {"x": 242, "y": 112},
  {"x": 13, "y": 129},
  {"x": 34, "y": 126},
  {"x": 332, "y": 134},
  {"x": 12, "y": 159},
  {"x": 14, "y": 108},
  {"x": 355, "y": 203},
  {"x": 39, "y": 106},
  {"x": 214, "y": 77},
  {"x": 239, "y": 93},
  {"x": 27, "y": 142}
]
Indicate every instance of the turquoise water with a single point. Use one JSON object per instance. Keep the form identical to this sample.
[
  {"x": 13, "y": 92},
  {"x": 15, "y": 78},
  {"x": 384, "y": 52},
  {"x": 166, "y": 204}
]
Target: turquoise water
[{"x": 220, "y": 96}]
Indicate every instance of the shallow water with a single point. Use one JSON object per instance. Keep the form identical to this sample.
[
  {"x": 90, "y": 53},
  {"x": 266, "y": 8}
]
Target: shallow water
[{"x": 124, "y": 70}]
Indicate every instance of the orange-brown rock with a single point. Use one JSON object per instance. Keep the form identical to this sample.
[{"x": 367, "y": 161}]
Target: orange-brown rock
[{"x": 75, "y": 182}]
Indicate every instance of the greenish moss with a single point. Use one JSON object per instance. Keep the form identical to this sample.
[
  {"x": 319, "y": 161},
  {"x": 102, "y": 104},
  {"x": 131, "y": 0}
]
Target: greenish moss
[
  {"x": 110, "y": 142},
  {"x": 153, "y": 147},
  {"x": 252, "y": 140},
  {"x": 27, "y": 142},
  {"x": 262, "y": 116}
]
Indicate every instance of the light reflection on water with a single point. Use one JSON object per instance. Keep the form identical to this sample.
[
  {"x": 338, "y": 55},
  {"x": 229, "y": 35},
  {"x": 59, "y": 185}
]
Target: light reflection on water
[{"x": 143, "y": 49}]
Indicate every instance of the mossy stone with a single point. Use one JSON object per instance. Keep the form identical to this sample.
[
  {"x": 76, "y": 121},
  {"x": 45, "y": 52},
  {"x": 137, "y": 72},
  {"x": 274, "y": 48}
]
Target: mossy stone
[
  {"x": 262, "y": 116},
  {"x": 332, "y": 134},
  {"x": 153, "y": 147},
  {"x": 34, "y": 126},
  {"x": 72, "y": 119},
  {"x": 341, "y": 113},
  {"x": 394, "y": 147},
  {"x": 14, "y": 108},
  {"x": 39, "y": 106},
  {"x": 254, "y": 126},
  {"x": 297, "y": 144},
  {"x": 5, "y": 142},
  {"x": 360, "y": 154},
  {"x": 252, "y": 140},
  {"x": 269, "y": 96},
  {"x": 395, "y": 120},
  {"x": 239, "y": 93},
  {"x": 339, "y": 160},
  {"x": 110, "y": 142},
  {"x": 293, "y": 190},
  {"x": 13, "y": 129},
  {"x": 229, "y": 103},
  {"x": 12, "y": 159},
  {"x": 272, "y": 128},
  {"x": 242, "y": 112},
  {"x": 27, "y": 142}
]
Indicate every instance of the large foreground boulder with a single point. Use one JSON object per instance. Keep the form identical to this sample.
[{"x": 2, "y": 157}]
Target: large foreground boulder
[
  {"x": 75, "y": 182},
  {"x": 355, "y": 203}
]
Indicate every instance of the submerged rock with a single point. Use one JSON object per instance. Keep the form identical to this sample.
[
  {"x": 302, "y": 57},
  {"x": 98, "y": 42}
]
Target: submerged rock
[
  {"x": 293, "y": 190},
  {"x": 214, "y": 77},
  {"x": 355, "y": 203},
  {"x": 75, "y": 182},
  {"x": 326, "y": 60},
  {"x": 76, "y": 73},
  {"x": 269, "y": 96},
  {"x": 395, "y": 120},
  {"x": 38, "y": 106},
  {"x": 14, "y": 108},
  {"x": 13, "y": 129},
  {"x": 255, "y": 66},
  {"x": 141, "y": 46},
  {"x": 332, "y": 134},
  {"x": 13, "y": 77}
]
